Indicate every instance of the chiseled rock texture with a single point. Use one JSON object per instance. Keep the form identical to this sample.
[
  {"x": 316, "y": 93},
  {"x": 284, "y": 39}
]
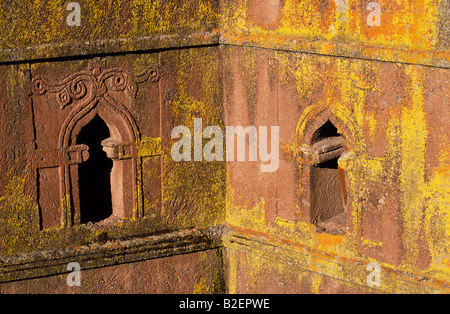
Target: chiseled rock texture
[{"x": 359, "y": 201}]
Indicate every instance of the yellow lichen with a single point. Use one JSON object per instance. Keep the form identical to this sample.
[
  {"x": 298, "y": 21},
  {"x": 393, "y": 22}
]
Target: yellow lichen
[{"x": 18, "y": 216}]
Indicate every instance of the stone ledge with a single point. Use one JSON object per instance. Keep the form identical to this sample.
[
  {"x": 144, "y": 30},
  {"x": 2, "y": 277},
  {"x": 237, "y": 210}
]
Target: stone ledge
[
  {"x": 53, "y": 262},
  {"x": 282, "y": 250},
  {"x": 107, "y": 46},
  {"x": 439, "y": 59},
  {"x": 217, "y": 37}
]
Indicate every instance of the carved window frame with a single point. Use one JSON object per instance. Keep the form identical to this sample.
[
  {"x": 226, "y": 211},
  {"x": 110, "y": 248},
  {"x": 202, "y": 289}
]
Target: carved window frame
[
  {"x": 308, "y": 124},
  {"x": 92, "y": 93}
]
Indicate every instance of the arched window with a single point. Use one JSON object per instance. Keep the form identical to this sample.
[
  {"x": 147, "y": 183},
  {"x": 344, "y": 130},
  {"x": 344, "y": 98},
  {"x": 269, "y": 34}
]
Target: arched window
[
  {"x": 94, "y": 175},
  {"x": 327, "y": 182}
]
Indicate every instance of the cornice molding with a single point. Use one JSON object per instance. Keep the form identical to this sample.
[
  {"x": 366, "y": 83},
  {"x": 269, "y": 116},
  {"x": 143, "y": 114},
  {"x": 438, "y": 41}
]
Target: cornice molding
[{"x": 41, "y": 263}]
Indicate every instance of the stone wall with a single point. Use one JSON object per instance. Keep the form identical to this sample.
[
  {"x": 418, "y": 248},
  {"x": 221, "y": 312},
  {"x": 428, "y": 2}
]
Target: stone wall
[{"x": 370, "y": 78}]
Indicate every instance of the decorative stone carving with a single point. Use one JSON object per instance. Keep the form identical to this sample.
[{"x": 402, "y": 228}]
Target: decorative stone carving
[
  {"x": 95, "y": 82},
  {"x": 108, "y": 93}
]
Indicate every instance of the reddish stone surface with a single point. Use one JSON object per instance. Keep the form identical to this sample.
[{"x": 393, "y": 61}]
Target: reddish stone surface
[
  {"x": 298, "y": 65},
  {"x": 191, "y": 273}
]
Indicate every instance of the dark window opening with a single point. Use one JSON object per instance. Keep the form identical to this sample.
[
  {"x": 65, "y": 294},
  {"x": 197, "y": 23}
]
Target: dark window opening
[
  {"x": 328, "y": 194},
  {"x": 325, "y": 131},
  {"x": 95, "y": 174}
]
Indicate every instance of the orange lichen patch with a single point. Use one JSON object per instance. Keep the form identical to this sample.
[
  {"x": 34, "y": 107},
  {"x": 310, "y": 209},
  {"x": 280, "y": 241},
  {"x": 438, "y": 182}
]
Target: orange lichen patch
[
  {"x": 442, "y": 170},
  {"x": 407, "y": 32},
  {"x": 326, "y": 240}
]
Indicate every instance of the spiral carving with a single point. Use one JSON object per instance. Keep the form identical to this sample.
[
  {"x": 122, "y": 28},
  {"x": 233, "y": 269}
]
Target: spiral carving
[
  {"x": 78, "y": 86},
  {"x": 86, "y": 85}
]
